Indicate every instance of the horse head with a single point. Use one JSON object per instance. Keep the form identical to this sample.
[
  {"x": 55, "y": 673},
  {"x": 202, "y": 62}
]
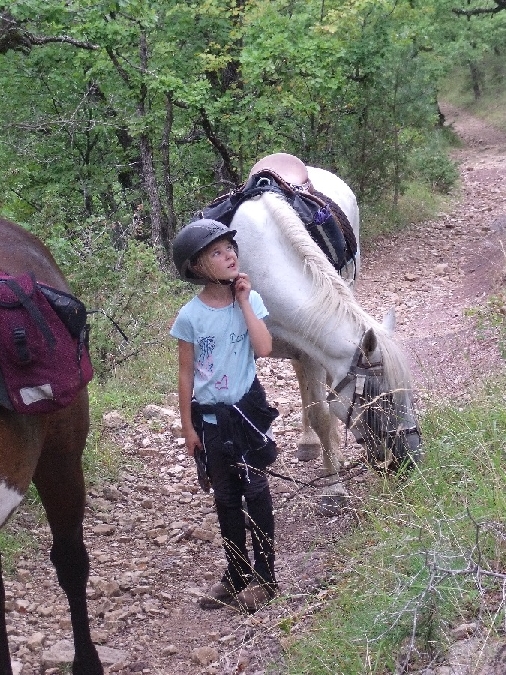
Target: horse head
[{"x": 375, "y": 401}]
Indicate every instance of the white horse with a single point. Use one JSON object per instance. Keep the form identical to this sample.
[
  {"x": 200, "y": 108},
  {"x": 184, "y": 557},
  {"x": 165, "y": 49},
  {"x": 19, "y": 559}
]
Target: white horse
[{"x": 347, "y": 363}]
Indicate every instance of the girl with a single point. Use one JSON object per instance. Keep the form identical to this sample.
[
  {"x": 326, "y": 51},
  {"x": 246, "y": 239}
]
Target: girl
[{"x": 224, "y": 413}]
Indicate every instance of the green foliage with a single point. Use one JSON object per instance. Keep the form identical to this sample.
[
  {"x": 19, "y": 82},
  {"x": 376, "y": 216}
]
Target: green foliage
[
  {"x": 162, "y": 105},
  {"x": 417, "y": 203},
  {"x": 418, "y": 551},
  {"x": 433, "y": 167},
  {"x": 132, "y": 299},
  {"x": 14, "y": 542}
]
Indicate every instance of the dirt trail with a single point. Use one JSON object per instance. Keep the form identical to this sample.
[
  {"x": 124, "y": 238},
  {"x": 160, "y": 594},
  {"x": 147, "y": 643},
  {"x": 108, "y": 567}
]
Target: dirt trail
[
  {"x": 153, "y": 537},
  {"x": 433, "y": 272}
]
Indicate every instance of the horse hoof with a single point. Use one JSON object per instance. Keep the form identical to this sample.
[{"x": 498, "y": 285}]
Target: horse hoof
[
  {"x": 307, "y": 451},
  {"x": 332, "y": 501},
  {"x": 330, "y": 505}
]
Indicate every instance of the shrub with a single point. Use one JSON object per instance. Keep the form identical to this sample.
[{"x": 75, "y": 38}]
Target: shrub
[{"x": 432, "y": 166}]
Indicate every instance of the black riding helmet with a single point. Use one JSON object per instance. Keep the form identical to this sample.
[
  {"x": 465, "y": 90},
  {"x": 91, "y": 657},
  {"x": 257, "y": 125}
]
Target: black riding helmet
[{"x": 192, "y": 240}]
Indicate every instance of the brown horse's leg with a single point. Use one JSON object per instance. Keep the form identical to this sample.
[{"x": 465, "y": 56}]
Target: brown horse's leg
[
  {"x": 60, "y": 483},
  {"x": 5, "y": 659},
  {"x": 20, "y": 441}
]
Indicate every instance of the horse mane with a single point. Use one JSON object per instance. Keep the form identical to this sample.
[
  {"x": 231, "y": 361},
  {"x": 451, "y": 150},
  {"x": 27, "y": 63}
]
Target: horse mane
[{"x": 333, "y": 296}]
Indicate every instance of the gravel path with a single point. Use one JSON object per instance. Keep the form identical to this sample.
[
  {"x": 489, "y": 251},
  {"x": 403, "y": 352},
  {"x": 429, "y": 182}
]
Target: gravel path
[{"x": 153, "y": 537}]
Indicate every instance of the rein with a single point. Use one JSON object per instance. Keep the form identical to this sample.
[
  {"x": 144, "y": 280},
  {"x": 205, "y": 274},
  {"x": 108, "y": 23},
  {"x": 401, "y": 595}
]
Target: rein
[{"x": 303, "y": 484}]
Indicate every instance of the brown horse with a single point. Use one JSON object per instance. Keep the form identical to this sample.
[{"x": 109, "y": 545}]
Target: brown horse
[{"x": 47, "y": 449}]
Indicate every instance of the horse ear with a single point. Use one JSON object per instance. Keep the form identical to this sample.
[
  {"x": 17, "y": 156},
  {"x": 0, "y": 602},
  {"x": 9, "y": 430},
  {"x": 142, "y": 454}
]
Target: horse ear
[
  {"x": 389, "y": 320},
  {"x": 369, "y": 342}
]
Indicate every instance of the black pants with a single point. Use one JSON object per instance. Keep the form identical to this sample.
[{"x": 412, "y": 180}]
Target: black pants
[{"x": 229, "y": 489}]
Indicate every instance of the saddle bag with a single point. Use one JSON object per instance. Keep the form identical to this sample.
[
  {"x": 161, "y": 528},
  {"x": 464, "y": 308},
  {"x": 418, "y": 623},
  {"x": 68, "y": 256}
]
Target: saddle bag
[{"x": 44, "y": 360}]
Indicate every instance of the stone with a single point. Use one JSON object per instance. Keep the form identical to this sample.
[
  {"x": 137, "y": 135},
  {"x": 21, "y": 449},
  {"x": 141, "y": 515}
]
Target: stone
[
  {"x": 62, "y": 653},
  {"x": 204, "y": 656},
  {"x": 169, "y": 650},
  {"x": 152, "y": 411},
  {"x": 35, "y": 641},
  {"x": 203, "y": 534},
  {"x": 463, "y": 631},
  {"x": 114, "y": 420},
  {"x": 104, "y": 530}
]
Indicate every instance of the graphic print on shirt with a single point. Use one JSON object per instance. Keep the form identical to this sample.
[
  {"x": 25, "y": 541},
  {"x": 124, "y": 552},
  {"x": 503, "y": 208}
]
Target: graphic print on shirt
[
  {"x": 222, "y": 384},
  {"x": 237, "y": 339},
  {"x": 205, "y": 361}
]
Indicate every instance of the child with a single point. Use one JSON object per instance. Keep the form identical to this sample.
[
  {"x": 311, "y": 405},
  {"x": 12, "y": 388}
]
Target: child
[{"x": 224, "y": 414}]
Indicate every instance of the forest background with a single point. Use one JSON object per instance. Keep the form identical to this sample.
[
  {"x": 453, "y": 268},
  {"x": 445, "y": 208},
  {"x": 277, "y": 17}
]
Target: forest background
[{"x": 120, "y": 119}]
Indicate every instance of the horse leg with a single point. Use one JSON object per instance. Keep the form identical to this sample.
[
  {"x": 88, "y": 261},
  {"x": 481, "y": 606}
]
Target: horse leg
[
  {"x": 60, "y": 482},
  {"x": 313, "y": 377},
  {"x": 20, "y": 442},
  {"x": 333, "y": 457},
  {"x": 318, "y": 425},
  {"x": 64, "y": 504},
  {"x": 5, "y": 659},
  {"x": 308, "y": 446}
]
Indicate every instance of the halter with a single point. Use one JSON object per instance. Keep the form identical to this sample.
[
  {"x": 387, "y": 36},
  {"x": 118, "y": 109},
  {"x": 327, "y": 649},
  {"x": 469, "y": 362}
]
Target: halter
[{"x": 379, "y": 412}]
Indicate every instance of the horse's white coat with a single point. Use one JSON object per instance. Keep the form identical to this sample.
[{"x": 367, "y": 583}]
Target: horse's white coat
[
  {"x": 9, "y": 501},
  {"x": 311, "y": 307},
  {"x": 313, "y": 315}
]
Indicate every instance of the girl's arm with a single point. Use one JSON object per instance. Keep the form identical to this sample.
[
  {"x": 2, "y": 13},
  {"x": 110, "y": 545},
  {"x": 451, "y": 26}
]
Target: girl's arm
[
  {"x": 186, "y": 357},
  {"x": 259, "y": 335}
]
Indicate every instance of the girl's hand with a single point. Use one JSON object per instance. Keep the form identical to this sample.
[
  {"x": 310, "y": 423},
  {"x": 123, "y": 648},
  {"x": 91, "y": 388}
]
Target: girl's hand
[
  {"x": 192, "y": 441},
  {"x": 242, "y": 287}
]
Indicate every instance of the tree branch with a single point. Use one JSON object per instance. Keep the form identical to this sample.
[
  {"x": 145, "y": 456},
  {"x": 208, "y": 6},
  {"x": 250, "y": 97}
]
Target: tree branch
[
  {"x": 14, "y": 37},
  {"x": 500, "y": 5},
  {"x": 230, "y": 173}
]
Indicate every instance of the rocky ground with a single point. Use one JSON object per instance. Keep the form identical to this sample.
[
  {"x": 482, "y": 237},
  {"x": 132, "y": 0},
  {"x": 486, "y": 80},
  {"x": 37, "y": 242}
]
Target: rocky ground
[{"x": 153, "y": 536}]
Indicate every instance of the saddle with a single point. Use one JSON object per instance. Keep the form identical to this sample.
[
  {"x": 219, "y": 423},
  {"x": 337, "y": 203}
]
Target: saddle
[
  {"x": 44, "y": 359},
  {"x": 287, "y": 176},
  {"x": 291, "y": 169}
]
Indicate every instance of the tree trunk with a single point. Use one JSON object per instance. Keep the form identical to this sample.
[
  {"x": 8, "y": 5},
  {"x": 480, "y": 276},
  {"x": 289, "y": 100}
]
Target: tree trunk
[
  {"x": 157, "y": 216},
  {"x": 167, "y": 177},
  {"x": 475, "y": 79}
]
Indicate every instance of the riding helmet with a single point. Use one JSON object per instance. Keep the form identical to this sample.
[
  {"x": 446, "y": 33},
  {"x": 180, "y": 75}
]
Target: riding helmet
[{"x": 192, "y": 239}]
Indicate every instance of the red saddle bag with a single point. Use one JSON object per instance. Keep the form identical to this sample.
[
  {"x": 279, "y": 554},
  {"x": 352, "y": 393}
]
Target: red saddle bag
[{"x": 44, "y": 360}]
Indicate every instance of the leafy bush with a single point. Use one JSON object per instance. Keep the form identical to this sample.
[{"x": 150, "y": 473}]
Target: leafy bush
[
  {"x": 432, "y": 166},
  {"x": 418, "y": 203},
  {"x": 131, "y": 299}
]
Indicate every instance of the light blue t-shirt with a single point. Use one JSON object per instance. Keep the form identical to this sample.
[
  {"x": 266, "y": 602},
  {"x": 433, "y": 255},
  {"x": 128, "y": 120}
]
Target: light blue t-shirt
[{"x": 224, "y": 366}]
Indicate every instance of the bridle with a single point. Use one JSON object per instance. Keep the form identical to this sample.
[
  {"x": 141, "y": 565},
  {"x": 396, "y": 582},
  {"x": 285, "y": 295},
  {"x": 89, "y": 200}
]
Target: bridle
[{"x": 379, "y": 417}]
